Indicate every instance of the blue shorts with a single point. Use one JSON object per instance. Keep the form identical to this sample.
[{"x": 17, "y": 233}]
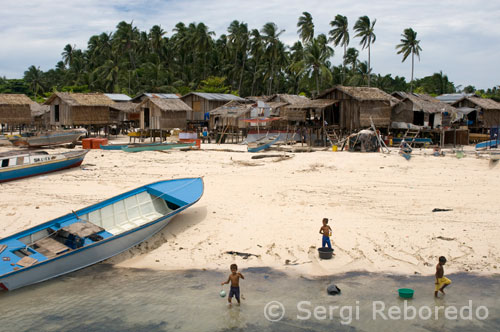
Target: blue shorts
[
  {"x": 234, "y": 291},
  {"x": 326, "y": 242}
]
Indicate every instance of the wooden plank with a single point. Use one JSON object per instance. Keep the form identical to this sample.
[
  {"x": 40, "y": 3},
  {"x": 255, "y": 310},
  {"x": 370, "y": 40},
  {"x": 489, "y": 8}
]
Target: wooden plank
[
  {"x": 26, "y": 261},
  {"x": 50, "y": 245}
]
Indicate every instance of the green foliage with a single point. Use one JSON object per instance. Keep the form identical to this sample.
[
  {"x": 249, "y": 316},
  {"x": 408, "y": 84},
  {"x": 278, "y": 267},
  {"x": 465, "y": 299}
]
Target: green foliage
[
  {"x": 76, "y": 89},
  {"x": 14, "y": 86},
  {"x": 435, "y": 84},
  {"x": 214, "y": 84}
]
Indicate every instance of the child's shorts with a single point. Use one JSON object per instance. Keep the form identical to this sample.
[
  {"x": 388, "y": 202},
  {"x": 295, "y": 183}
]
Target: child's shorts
[
  {"x": 236, "y": 292},
  {"x": 441, "y": 282}
]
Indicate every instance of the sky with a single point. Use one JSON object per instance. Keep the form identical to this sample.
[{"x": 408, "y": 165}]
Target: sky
[{"x": 459, "y": 38}]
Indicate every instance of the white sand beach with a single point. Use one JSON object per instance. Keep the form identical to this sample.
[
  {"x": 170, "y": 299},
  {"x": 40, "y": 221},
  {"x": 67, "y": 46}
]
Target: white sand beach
[{"x": 379, "y": 206}]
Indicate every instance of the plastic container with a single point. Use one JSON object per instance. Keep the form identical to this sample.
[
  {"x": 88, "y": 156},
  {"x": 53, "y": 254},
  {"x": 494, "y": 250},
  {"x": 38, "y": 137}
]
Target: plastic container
[
  {"x": 97, "y": 142},
  {"x": 196, "y": 141},
  {"x": 87, "y": 143},
  {"x": 325, "y": 253},
  {"x": 406, "y": 293},
  {"x": 334, "y": 148}
]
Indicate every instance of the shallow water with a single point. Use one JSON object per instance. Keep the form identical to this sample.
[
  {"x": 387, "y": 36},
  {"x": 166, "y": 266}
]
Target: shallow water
[{"x": 103, "y": 298}]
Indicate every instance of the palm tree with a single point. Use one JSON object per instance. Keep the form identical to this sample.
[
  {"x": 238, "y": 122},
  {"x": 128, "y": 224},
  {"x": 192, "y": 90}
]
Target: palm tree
[
  {"x": 67, "y": 54},
  {"x": 339, "y": 35},
  {"x": 306, "y": 27},
  {"x": 409, "y": 44},
  {"x": 34, "y": 77},
  {"x": 271, "y": 39},
  {"x": 364, "y": 29},
  {"x": 351, "y": 58}
]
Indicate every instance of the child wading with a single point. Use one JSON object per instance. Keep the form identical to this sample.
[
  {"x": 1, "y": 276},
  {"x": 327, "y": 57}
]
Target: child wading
[
  {"x": 327, "y": 232},
  {"x": 234, "y": 277},
  {"x": 441, "y": 280}
]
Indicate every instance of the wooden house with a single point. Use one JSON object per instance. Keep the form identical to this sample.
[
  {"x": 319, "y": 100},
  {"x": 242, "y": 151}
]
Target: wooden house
[
  {"x": 15, "y": 109},
  {"x": 40, "y": 115},
  {"x": 420, "y": 110},
  {"x": 74, "y": 109},
  {"x": 161, "y": 113},
  {"x": 354, "y": 106},
  {"x": 480, "y": 113},
  {"x": 230, "y": 116},
  {"x": 201, "y": 103}
]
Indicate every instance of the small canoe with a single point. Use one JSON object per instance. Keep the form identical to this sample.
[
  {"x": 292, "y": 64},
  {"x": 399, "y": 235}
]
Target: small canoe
[
  {"x": 94, "y": 233},
  {"x": 263, "y": 143},
  {"x": 488, "y": 144},
  {"x": 49, "y": 138},
  {"x": 20, "y": 164},
  {"x": 156, "y": 147},
  {"x": 120, "y": 146}
]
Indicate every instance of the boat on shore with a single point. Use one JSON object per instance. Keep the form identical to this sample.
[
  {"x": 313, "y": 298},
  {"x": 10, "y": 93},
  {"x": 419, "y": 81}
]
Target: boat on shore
[
  {"x": 94, "y": 233},
  {"x": 49, "y": 138},
  {"x": 488, "y": 144},
  {"x": 120, "y": 146},
  {"x": 20, "y": 164},
  {"x": 263, "y": 143},
  {"x": 156, "y": 147}
]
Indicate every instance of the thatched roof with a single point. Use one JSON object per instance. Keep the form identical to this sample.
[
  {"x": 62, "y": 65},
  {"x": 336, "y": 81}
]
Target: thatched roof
[
  {"x": 257, "y": 98},
  {"x": 82, "y": 99},
  {"x": 275, "y": 104},
  {"x": 127, "y": 107},
  {"x": 361, "y": 93},
  {"x": 289, "y": 99},
  {"x": 315, "y": 103},
  {"x": 484, "y": 103},
  {"x": 424, "y": 103},
  {"x": 37, "y": 109},
  {"x": 169, "y": 104},
  {"x": 233, "y": 109},
  {"x": 15, "y": 99}
]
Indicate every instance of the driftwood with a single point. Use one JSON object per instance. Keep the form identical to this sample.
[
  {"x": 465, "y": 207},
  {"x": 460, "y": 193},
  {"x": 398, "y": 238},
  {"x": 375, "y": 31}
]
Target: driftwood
[
  {"x": 245, "y": 255},
  {"x": 441, "y": 210}
]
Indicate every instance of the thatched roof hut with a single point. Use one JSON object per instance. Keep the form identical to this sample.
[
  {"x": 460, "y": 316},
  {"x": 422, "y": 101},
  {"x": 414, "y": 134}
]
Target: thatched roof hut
[
  {"x": 420, "y": 110},
  {"x": 203, "y": 102},
  {"x": 140, "y": 97},
  {"x": 162, "y": 113},
  {"x": 357, "y": 104},
  {"x": 71, "y": 109},
  {"x": 482, "y": 112},
  {"x": 230, "y": 115},
  {"x": 15, "y": 109},
  {"x": 128, "y": 111},
  {"x": 40, "y": 115}
]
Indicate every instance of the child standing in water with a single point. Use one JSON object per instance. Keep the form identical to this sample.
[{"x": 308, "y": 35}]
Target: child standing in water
[
  {"x": 441, "y": 280},
  {"x": 234, "y": 278},
  {"x": 327, "y": 232}
]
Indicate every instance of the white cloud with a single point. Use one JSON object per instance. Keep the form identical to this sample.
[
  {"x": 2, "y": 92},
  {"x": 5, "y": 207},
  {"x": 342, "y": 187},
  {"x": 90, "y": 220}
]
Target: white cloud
[{"x": 458, "y": 37}]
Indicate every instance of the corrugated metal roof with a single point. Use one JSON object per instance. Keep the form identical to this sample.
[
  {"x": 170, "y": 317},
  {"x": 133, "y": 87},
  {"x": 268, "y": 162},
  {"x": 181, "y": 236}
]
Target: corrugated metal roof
[
  {"x": 217, "y": 96},
  {"x": 450, "y": 98},
  {"x": 162, "y": 95},
  {"x": 118, "y": 96}
]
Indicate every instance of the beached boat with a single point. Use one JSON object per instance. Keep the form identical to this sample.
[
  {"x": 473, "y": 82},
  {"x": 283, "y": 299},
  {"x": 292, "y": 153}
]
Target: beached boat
[
  {"x": 120, "y": 146},
  {"x": 48, "y": 138},
  {"x": 94, "y": 233},
  {"x": 156, "y": 147},
  {"x": 21, "y": 164},
  {"x": 488, "y": 144},
  {"x": 262, "y": 143}
]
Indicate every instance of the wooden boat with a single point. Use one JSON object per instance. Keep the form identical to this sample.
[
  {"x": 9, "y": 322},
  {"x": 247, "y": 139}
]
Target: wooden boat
[
  {"x": 49, "y": 138},
  {"x": 94, "y": 233},
  {"x": 155, "y": 147},
  {"x": 262, "y": 143},
  {"x": 21, "y": 164},
  {"x": 488, "y": 144},
  {"x": 120, "y": 146}
]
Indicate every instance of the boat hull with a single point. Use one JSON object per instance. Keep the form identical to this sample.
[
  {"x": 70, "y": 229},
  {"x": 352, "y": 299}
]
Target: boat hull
[
  {"x": 41, "y": 168},
  {"x": 264, "y": 146},
  {"x": 55, "y": 138},
  {"x": 83, "y": 257},
  {"x": 487, "y": 144},
  {"x": 159, "y": 147}
]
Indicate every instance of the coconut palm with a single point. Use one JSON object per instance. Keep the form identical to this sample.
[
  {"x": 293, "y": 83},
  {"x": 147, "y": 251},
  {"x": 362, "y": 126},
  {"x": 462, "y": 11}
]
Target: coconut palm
[
  {"x": 306, "y": 27},
  {"x": 364, "y": 29},
  {"x": 339, "y": 35},
  {"x": 271, "y": 39},
  {"x": 34, "y": 77},
  {"x": 410, "y": 45}
]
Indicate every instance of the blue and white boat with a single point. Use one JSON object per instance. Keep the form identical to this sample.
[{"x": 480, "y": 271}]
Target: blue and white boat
[
  {"x": 263, "y": 143},
  {"x": 94, "y": 233},
  {"x": 21, "y": 164},
  {"x": 488, "y": 144}
]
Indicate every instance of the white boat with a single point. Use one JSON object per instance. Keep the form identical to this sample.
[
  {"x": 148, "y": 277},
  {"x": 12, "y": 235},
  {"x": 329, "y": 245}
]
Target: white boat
[{"x": 94, "y": 233}]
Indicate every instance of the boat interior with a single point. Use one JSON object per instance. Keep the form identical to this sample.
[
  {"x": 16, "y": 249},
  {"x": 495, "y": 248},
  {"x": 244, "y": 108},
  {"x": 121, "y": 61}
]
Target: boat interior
[{"x": 76, "y": 231}]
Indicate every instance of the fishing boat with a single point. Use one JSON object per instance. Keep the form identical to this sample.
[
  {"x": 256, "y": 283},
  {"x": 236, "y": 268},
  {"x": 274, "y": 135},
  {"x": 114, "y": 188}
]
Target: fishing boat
[
  {"x": 120, "y": 146},
  {"x": 22, "y": 164},
  {"x": 262, "y": 143},
  {"x": 488, "y": 144},
  {"x": 94, "y": 233},
  {"x": 49, "y": 138},
  {"x": 156, "y": 147}
]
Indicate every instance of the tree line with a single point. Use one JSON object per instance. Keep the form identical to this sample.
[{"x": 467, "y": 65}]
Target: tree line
[{"x": 242, "y": 61}]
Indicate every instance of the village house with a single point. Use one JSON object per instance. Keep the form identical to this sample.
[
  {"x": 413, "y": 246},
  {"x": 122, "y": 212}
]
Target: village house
[
  {"x": 15, "y": 110},
  {"x": 478, "y": 114}
]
